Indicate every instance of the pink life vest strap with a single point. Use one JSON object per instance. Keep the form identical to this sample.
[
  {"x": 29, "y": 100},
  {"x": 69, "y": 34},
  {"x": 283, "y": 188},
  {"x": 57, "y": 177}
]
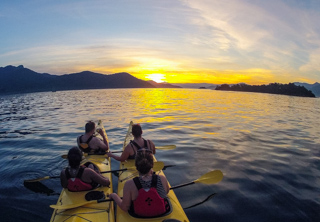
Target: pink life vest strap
[
  {"x": 148, "y": 203},
  {"x": 76, "y": 184}
]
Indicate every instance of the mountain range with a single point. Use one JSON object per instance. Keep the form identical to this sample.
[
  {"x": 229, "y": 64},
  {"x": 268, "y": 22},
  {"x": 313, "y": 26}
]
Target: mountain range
[
  {"x": 315, "y": 87},
  {"x": 18, "y": 79},
  {"x": 23, "y": 80}
]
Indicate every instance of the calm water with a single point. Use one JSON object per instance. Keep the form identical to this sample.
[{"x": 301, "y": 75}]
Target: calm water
[{"x": 267, "y": 146}]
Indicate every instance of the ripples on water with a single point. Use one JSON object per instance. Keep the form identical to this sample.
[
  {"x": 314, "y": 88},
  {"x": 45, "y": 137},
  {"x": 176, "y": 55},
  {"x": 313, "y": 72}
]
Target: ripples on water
[{"x": 267, "y": 146}]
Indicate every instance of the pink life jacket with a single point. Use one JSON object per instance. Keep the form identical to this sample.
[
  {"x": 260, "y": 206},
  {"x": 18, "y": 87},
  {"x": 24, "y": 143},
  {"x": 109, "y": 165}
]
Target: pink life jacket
[
  {"x": 76, "y": 184},
  {"x": 148, "y": 203}
]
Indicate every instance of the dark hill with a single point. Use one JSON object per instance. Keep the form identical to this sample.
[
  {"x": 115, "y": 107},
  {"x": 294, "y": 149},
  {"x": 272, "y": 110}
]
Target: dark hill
[
  {"x": 315, "y": 87},
  {"x": 91, "y": 80},
  {"x": 20, "y": 80}
]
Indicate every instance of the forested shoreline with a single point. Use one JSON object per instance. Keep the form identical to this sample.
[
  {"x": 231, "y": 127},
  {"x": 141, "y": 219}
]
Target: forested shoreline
[{"x": 273, "y": 88}]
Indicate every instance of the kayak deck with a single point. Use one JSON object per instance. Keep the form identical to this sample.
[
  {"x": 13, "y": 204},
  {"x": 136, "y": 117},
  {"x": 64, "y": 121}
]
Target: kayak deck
[
  {"x": 177, "y": 212},
  {"x": 90, "y": 212}
]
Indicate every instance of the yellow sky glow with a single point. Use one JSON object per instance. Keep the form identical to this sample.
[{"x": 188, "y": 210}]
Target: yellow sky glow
[
  {"x": 163, "y": 70},
  {"x": 252, "y": 76}
]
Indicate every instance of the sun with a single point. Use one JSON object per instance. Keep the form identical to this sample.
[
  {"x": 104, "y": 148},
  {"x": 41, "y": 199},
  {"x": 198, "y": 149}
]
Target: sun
[{"x": 157, "y": 77}]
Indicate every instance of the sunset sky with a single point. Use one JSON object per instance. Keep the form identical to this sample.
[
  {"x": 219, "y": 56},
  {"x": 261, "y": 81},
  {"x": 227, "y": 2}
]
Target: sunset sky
[{"x": 176, "y": 41}]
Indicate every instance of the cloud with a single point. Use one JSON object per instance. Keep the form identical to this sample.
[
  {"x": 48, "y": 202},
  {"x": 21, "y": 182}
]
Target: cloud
[
  {"x": 206, "y": 36},
  {"x": 112, "y": 55},
  {"x": 313, "y": 64},
  {"x": 269, "y": 34}
]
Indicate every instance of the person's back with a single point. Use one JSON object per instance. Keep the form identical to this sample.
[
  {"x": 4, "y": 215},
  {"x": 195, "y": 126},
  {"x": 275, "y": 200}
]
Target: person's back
[
  {"x": 88, "y": 143},
  {"x": 80, "y": 178},
  {"x": 145, "y": 187},
  {"x": 135, "y": 145},
  {"x": 151, "y": 198}
]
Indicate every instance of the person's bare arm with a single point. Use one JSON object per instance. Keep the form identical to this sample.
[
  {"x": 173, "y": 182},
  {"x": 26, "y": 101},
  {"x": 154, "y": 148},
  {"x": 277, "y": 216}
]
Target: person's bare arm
[
  {"x": 97, "y": 143},
  {"x": 101, "y": 145},
  {"x": 165, "y": 183},
  {"x": 96, "y": 177},
  {"x": 124, "y": 156},
  {"x": 152, "y": 147},
  {"x": 125, "y": 202},
  {"x": 105, "y": 141},
  {"x": 63, "y": 179}
]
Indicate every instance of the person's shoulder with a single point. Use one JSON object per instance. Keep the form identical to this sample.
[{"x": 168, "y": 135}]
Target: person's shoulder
[
  {"x": 128, "y": 147},
  {"x": 149, "y": 141},
  {"x": 163, "y": 178},
  {"x": 130, "y": 184},
  {"x": 88, "y": 170},
  {"x": 95, "y": 139}
]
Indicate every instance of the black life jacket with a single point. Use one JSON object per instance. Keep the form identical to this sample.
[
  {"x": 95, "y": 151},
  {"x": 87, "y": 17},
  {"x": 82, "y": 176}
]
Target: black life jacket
[
  {"x": 138, "y": 148},
  {"x": 84, "y": 146}
]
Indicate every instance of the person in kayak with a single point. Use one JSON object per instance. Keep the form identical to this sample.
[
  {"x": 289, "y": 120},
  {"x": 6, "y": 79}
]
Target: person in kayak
[
  {"x": 80, "y": 178},
  {"x": 136, "y": 144},
  {"x": 145, "y": 195},
  {"x": 88, "y": 143}
]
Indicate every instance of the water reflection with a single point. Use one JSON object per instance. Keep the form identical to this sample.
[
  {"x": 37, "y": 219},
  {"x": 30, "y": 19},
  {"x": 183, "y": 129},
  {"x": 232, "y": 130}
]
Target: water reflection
[{"x": 267, "y": 146}]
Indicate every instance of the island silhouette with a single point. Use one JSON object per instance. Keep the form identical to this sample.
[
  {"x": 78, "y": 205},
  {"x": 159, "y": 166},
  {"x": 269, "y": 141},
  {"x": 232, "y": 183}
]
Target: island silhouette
[{"x": 273, "y": 88}]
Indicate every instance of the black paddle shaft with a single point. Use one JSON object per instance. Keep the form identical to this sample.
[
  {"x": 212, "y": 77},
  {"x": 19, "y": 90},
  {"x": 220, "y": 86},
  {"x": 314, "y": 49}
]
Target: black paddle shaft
[{"x": 182, "y": 185}]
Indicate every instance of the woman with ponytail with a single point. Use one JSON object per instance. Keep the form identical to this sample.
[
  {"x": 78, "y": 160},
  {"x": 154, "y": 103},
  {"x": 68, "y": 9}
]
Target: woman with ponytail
[
  {"x": 78, "y": 177},
  {"x": 138, "y": 143},
  {"x": 145, "y": 195}
]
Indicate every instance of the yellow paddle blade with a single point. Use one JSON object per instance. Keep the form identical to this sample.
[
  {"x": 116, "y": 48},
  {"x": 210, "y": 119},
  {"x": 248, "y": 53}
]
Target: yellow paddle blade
[
  {"x": 35, "y": 180},
  {"x": 157, "y": 166},
  {"x": 70, "y": 206},
  {"x": 211, "y": 177},
  {"x": 65, "y": 156},
  {"x": 166, "y": 147}
]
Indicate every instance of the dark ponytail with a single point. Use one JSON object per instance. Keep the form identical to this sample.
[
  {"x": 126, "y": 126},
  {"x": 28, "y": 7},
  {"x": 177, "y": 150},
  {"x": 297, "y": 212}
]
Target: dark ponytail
[
  {"x": 74, "y": 157},
  {"x": 136, "y": 130},
  {"x": 144, "y": 161}
]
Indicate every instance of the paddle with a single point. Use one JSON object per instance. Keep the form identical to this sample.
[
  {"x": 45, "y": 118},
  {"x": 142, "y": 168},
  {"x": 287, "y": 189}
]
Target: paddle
[
  {"x": 39, "y": 188},
  {"x": 211, "y": 177},
  {"x": 208, "y": 178},
  {"x": 197, "y": 204},
  {"x": 39, "y": 179},
  {"x": 165, "y": 147},
  {"x": 65, "y": 156},
  {"x": 166, "y": 166},
  {"x": 157, "y": 166}
]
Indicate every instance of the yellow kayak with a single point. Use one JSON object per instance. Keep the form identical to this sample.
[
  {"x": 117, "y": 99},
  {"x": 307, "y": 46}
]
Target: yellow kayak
[
  {"x": 95, "y": 212},
  {"x": 176, "y": 213}
]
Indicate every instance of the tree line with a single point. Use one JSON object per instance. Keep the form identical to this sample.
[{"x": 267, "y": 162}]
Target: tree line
[{"x": 273, "y": 88}]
